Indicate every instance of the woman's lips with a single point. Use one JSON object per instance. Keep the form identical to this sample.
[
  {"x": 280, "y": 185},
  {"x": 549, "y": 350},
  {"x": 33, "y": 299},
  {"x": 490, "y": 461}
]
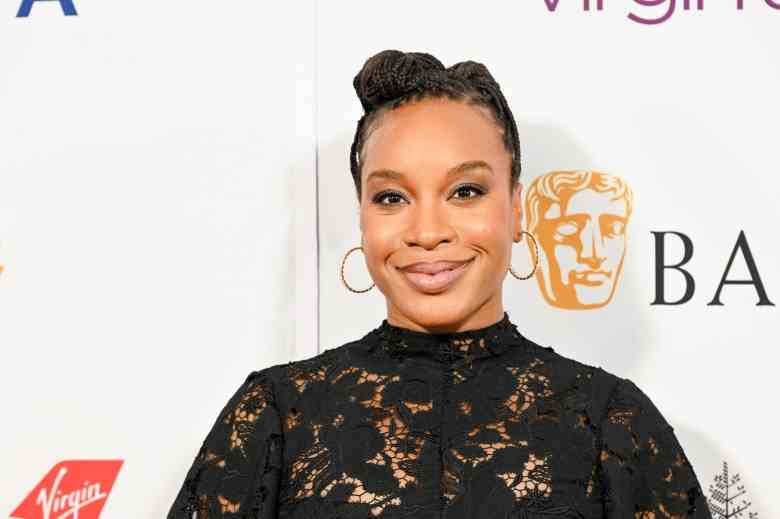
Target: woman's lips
[{"x": 436, "y": 282}]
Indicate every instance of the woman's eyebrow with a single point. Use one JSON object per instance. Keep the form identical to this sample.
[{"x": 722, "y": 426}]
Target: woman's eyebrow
[{"x": 456, "y": 170}]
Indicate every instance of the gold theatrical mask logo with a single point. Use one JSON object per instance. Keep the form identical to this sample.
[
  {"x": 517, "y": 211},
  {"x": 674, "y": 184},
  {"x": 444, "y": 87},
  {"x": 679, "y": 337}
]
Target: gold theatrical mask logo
[{"x": 579, "y": 219}]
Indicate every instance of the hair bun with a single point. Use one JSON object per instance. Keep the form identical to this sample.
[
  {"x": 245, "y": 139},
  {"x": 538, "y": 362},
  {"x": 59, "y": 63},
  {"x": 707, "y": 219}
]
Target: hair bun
[
  {"x": 473, "y": 72},
  {"x": 390, "y": 74}
]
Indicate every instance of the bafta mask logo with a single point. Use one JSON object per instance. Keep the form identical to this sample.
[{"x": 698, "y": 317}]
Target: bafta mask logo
[{"x": 579, "y": 220}]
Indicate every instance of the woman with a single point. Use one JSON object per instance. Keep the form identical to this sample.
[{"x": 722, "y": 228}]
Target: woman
[{"x": 444, "y": 409}]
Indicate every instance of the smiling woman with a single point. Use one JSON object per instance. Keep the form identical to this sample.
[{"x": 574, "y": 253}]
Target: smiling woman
[
  {"x": 454, "y": 205},
  {"x": 444, "y": 409}
]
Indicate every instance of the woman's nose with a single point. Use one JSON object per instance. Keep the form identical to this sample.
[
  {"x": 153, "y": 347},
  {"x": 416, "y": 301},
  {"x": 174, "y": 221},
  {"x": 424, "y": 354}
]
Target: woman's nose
[{"x": 429, "y": 225}]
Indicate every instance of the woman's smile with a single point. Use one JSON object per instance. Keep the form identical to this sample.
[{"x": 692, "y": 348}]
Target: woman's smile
[{"x": 438, "y": 282}]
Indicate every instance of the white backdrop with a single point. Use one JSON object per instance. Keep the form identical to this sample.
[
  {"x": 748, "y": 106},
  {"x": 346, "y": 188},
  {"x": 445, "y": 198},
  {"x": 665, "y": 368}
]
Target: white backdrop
[
  {"x": 150, "y": 156},
  {"x": 175, "y": 201}
]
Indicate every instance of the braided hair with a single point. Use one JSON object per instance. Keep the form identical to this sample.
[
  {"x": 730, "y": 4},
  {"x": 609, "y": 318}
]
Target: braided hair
[{"x": 392, "y": 77}]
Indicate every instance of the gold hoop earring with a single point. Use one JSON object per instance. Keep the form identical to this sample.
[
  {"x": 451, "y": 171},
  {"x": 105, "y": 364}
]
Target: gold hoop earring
[
  {"x": 536, "y": 254},
  {"x": 344, "y": 281}
]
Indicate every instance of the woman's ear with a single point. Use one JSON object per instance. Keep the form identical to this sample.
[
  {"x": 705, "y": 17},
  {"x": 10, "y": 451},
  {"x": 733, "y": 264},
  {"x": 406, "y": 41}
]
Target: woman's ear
[{"x": 517, "y": 211}]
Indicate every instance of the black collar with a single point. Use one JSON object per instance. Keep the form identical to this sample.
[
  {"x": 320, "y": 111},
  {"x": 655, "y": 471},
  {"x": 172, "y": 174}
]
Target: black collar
[{"x": 489, "y": 341}]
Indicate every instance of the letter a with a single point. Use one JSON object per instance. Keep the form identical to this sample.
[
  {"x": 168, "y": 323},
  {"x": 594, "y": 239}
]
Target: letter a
[
  {"x": 755, "y": 278},
  {"x": 67, "y": 7}
]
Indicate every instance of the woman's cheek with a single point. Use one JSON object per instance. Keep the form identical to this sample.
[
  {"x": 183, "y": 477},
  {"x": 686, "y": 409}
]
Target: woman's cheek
[{"x": 378, "y": 254}]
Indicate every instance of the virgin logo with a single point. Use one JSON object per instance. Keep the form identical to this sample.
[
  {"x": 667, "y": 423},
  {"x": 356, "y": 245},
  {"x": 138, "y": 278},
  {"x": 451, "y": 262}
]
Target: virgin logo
[{"x": 73, "y": 489}]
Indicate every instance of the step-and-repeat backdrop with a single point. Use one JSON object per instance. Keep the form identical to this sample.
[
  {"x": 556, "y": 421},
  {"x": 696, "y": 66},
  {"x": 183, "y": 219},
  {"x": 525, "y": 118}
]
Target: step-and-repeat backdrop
[{"x": 175, "y": 204}]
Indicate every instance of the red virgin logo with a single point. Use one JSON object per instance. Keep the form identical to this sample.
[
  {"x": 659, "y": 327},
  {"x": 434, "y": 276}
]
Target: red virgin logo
[{"x": 73, "y": 489}]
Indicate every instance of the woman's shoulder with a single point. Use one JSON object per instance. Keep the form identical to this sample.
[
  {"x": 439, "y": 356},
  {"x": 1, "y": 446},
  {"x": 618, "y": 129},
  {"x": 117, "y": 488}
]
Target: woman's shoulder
[
  {"x": 605, "y": 388},
  {"x": 303, "y": 372},
  {"x": 569, "y": 367},
  {"x": 611, "y": 396}
]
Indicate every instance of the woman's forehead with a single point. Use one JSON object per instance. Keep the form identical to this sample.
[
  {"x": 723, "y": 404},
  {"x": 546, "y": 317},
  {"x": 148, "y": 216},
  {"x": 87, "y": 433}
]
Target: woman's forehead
[{"x": 435, "y": 134}]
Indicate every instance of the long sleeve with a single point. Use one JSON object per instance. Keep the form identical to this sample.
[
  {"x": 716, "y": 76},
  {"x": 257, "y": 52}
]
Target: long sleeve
[
  {"x": 236, "y": 472},
  {"x": 646, "y": 472}
]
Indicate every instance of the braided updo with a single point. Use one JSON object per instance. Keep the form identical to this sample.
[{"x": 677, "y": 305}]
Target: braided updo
[{"x": 391, "y": 78}]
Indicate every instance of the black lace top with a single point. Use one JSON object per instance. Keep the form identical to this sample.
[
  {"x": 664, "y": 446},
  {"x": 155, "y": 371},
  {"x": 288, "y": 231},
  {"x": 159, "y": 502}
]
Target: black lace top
[{"x": 404, "y": 424}]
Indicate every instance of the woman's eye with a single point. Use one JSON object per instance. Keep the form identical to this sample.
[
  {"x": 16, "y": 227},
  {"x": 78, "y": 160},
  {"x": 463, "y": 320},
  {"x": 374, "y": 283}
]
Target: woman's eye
[
  {"x": 394, "y": 196},
  {"x": 468, "y": 187},
  {"x": 381, "y": 196}
]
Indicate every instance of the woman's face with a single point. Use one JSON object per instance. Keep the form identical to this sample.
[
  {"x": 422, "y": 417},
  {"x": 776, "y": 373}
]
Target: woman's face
[{"x": 435, "y": 187}]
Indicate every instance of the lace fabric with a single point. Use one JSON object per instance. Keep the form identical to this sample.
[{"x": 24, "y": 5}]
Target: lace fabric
[{"x": 476, "y": 424}]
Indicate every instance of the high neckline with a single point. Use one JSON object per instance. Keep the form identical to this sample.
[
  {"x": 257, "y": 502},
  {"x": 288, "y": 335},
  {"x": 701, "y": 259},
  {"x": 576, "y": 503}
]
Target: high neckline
[{"x": 400, "y": 342}]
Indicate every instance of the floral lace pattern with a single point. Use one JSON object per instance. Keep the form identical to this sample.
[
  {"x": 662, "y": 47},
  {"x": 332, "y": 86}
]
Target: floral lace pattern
[{"x": 404, "y": 424}]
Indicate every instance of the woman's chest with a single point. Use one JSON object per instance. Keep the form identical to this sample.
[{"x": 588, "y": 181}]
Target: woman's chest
[{"x": 497, "y": 443}]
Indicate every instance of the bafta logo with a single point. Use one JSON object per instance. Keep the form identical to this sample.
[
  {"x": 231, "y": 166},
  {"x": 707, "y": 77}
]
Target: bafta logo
[{"x": 579, "y": 219}]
